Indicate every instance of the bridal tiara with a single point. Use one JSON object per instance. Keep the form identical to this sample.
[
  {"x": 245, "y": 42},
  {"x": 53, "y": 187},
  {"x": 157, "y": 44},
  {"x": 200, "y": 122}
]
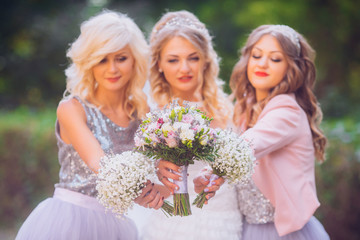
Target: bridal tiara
[
  {"x": 288, "y": 32},
  {"x": 182, "y": 22}
]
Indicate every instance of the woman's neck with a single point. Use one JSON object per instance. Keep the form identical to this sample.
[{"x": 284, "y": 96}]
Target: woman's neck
[
  {"x": 189, "y": 97},
  {"x": 112, "y": 106},
  {"x": 110, "y": 100}
]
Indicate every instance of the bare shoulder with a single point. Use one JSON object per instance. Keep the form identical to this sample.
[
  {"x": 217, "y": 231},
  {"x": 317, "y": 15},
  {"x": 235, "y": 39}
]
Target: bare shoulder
[{"x": 70, "y": 109}]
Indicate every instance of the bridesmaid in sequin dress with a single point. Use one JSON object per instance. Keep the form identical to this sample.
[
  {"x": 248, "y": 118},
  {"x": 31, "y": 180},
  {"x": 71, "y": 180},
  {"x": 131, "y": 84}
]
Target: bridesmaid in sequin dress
[
  {"x": 184, "y": 65},
  {"x": 277, "y": 110},
  {"x": 99, "y": 115}
]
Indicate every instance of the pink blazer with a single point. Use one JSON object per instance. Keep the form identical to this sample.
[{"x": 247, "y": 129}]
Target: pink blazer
[{"x": 285, "y": 173}]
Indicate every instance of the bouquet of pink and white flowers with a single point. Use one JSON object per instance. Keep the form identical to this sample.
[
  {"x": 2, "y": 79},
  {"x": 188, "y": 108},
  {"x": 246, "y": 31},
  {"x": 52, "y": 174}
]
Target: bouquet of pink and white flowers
[
  {"x": 179, "y": 134},
  {"x": 121, "y": 179},
  {"x": 234, "y": 161}
]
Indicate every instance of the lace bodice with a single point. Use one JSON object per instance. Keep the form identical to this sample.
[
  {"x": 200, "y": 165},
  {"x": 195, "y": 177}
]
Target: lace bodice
[{"x": 74, "y": 174}]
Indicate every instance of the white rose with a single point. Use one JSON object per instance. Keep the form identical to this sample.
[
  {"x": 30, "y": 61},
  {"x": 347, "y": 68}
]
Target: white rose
[
  {"x": 166, "y": 127},
  {"x": 186, "y": 134}
]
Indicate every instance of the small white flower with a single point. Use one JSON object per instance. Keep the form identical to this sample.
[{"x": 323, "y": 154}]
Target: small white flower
[
  {"x": 121, "y": 178},
  {"x": 200, "y": 119},
  {"x": 178, "y": 109},
  {"x": 180, "y": 125},
  {"x": 235, "y": 157},
  {"x": 139, "y": 142},
  {"x": 152, "y": 127}
]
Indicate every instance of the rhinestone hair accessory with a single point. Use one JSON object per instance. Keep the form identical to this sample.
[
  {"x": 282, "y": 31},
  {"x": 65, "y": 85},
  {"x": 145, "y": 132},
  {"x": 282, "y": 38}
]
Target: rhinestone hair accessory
[
  {"x": 182, "y": 22},
  {"x": 288, "y": 32}
]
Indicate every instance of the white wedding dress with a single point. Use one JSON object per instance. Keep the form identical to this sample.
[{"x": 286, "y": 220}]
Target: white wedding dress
[{"x": 219, "y": 219}]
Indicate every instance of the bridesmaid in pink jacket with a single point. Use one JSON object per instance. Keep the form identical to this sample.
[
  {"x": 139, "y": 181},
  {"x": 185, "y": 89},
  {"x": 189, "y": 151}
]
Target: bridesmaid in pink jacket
[{"x": 277, "y": 110}]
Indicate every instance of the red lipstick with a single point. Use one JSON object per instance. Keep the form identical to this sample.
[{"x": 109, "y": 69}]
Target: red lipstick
[
  {"x": 261, "y": 74},
  {"x": 185, "y": 78},
  {"x": 114, "y": 79}
]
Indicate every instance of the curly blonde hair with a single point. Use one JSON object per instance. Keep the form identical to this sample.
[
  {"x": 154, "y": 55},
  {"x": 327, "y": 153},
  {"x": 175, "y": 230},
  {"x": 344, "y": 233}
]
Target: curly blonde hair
[
  {"x": 299, "y": 79},
  {"x": 186, "y": 25},
  {"x": 101, "y": 35}
]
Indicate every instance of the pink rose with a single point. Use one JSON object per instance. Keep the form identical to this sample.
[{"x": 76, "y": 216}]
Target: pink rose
[
  {"x": 187, "y": 118},
  {"x": 171, "y": 140},
  {"x": 139, "y": 141}
]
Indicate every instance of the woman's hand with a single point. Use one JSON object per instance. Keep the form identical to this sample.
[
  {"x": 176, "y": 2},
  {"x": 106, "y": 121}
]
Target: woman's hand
[
  {"x": 202, "y": 180},
  {"x": 167, "y": 170},
  {"x": 150, "y": 197}
]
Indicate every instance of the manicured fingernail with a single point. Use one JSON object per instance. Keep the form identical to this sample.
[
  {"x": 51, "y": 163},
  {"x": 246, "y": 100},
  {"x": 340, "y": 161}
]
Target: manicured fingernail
[
  {"x": 206, "y": 190},
  {"x": 180, "y": 178},
  {"x": 180, "y": 169}
]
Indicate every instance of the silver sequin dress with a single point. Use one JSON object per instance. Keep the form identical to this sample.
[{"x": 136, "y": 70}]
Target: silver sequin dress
[
  {"x": 73, "y": 212},
  {"x": 259, "y": 218}
]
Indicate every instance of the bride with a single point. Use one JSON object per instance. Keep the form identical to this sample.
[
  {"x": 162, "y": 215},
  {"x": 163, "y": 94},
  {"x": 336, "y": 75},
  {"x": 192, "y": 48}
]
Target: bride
[{"x": 185, "y": 66}]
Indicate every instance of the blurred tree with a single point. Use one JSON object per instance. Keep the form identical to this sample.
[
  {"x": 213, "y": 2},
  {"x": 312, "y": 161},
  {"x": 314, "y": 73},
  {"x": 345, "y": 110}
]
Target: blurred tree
[{"x": 36, "y": 33}]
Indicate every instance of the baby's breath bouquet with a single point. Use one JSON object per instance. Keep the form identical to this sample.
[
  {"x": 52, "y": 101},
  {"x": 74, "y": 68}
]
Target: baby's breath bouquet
[
  {"x": 179, "y": 134},
  {"x": 234, "y": 161},
  {"x": 120, "y": 180}
]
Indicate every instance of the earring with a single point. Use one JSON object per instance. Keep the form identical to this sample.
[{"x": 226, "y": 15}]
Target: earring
[{"x": 160, "y": 70}]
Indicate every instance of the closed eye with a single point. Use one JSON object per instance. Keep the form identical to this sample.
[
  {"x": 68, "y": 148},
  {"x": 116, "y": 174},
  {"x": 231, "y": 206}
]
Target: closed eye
[
  {"x": 121, "y": 59},
  {"x": 195, "y": 59},
  {"x": 104, "y": 60},
  {"x": 173, "y": 60}
]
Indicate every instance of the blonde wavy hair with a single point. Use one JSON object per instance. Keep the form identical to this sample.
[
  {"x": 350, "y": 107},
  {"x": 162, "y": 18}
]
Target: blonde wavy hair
[
  {"x": 186, "y": 25},
  {"x": 101, "y": 35},
  {"x": 299, "y": 79}
]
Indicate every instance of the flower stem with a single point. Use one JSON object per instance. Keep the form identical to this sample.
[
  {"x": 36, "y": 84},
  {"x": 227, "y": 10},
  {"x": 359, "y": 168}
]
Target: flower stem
[
  {"x": 168, "y": 209},
  {"x": 182, "y": 204},
  {"x": 200, "y": 199}
]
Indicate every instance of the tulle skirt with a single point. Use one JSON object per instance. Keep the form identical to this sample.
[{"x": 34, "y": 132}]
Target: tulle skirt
[
  {"x": 313, "y": 230},
  {"x": 72, "y": 215}
]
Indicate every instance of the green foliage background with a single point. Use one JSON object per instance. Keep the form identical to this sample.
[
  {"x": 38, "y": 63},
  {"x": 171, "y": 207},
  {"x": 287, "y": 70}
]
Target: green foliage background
[{"x": 34, "y": 37}]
